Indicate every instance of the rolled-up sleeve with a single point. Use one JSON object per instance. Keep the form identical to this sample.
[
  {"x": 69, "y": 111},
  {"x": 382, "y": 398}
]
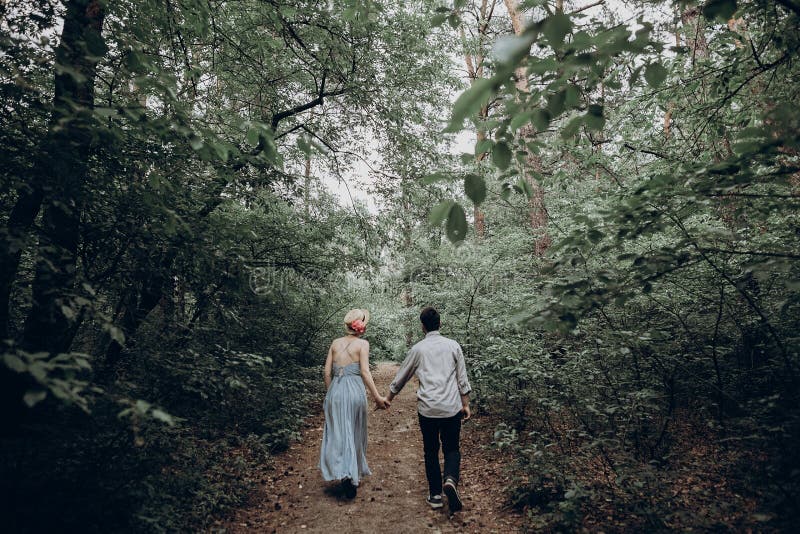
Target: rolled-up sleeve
[
  {"x": 406, "y": 371},
  {"x": 461, "y": 372}
]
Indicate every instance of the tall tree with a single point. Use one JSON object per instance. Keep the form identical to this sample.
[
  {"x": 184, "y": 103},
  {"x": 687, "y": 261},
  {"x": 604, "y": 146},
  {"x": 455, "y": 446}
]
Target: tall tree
[
  {"x": 57, "y": 178},
  {"x": 475, "y": 60},
  {"x": 527, "y": 134}
]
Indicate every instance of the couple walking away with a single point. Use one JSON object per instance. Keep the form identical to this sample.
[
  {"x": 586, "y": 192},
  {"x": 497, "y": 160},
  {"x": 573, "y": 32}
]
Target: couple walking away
[{"x": 443, "y": 400}]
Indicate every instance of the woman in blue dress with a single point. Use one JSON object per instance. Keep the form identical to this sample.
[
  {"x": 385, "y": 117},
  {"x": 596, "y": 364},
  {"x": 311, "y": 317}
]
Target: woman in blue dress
[{"x": 344, "y": 437}]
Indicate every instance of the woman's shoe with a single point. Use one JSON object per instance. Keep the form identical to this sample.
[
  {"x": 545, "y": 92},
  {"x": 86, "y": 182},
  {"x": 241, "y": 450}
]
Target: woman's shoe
[{"x": 350, "y": 490}]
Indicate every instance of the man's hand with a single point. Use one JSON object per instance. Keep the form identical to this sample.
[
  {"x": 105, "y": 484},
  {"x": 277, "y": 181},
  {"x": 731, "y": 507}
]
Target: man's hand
[
  {"x": 382, "y": 403},
  {"x": 466, "y": 411}
]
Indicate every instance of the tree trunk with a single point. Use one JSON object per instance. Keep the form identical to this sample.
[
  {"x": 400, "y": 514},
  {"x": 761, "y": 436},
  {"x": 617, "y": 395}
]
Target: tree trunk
[
  {"x": 533, "y": 163},
  {"x": 475, "y": 71},
  {"x": 307, "y": 185},
  {"x": 60, "y": 165},
  {"x": 407, "y": 296},
  {"x": 29, "y": 201},
  {"x": 693, "y": 26},
  {"x": 65, "y": 157},
  {"x": 136, "y": 306}
]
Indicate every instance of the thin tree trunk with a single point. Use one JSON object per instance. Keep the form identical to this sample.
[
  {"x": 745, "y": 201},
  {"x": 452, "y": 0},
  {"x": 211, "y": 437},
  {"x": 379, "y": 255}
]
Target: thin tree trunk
[
  {"x": 29, "y": 201},
  {"x": 306, "y": 189},
  {"x": 693, "y": 26},
  {"x": 533, "y": 162},
  {"x": 475, "y": 71},
  {"x": 407, "y": 295}
]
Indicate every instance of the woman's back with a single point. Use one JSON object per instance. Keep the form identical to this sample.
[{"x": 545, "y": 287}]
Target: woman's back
[{"x": 347, "y": 350}]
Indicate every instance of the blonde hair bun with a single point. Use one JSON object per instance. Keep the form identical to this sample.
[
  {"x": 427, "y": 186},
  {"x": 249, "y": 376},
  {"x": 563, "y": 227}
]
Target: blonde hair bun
[{"x": 356, "y": 314}]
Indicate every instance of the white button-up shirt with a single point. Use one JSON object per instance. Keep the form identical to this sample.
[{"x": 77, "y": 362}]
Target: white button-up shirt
[{"x": 438, "y": 363}]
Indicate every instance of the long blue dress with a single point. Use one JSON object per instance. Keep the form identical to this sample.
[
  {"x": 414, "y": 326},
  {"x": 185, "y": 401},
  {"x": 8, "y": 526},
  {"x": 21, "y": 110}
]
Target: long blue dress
[{"x": 344, "y": 437}]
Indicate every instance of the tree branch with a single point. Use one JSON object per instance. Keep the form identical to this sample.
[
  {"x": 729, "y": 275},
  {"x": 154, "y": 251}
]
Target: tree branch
[
  {"x": 587, "y": 6},
  {"x": 646, "y": 151}
]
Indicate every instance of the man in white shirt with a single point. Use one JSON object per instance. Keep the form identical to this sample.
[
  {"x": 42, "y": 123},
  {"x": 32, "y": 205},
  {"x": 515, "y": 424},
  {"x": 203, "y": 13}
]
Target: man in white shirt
[{"x": 443, "y": 399}]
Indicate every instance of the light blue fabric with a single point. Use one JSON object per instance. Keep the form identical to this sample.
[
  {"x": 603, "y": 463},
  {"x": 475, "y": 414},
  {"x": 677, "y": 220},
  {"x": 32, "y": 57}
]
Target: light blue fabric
[{"x": 344, "y": 437}]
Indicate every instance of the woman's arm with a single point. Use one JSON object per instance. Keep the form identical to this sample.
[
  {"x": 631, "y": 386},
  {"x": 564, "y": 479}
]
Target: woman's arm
[
  {"x": 328, "y": 364},
  {"x": 367, "y": 375}
]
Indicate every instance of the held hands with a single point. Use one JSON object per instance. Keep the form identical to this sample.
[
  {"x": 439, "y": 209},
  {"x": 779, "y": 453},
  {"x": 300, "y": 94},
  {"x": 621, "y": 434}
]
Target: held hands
[{"x": 382, "y": 403}]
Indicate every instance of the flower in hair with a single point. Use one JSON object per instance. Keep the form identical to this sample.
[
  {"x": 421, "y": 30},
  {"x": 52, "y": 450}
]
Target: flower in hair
[{"x": 358, "y": 326}]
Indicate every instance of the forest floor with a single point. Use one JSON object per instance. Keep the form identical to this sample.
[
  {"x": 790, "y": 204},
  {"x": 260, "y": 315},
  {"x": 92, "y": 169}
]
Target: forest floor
[{"x": 292, "y": 497}]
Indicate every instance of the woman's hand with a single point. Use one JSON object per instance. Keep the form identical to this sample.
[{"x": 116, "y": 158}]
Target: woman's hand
[{"x": 382, "y": 403}]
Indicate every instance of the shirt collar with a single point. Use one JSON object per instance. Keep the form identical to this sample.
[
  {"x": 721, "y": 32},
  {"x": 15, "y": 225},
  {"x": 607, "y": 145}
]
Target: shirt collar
[{"x": 433, "y": 333}]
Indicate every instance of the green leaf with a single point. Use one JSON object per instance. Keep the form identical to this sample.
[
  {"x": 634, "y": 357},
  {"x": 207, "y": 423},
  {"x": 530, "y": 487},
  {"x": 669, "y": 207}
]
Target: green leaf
[
  {"x": 469, "y": 102},
  {"x": 484, "y": 145},
  {"x": 501, "y": 156},
  {"x": 719, "y": 9},
  {"x": 505, "y": 191},
  {"x": 438, "y": 19},
  {"x": 105, "y": 112},
  {"x": 512, "y": 48},
  {"x": 594, "y": 119},
  {"x": 572, "y": 96},
  {"x": 32, "y": 398},
  {"x": 196, "y": 142},
  {"x": 555, "y": 103},
  {"x": 95, "y": 44},
  {"x": 572, "y": 127},
  {"x": 655, "y": 74},
  {"x": 439, "y": 212},
  {"x": 635, "y": 76},
  {"x": 14, "y": 363},
  {"x": 541, "y": 119},
  {"x": 304, "y": 145},
  {"x": 252, "y": 137},
  {"x": 520, "y": 120},
  {"x": 434, "y": 177},
  {"x": 116, "y": 334},
  {"x": 475, "y": 188},
  {"x": 456, "y": 224},
  {"x": 68, "y": 312},
  {"x": 133, "y": 61},
  {"x": 525, "y": 187},
  {"x": 555, "y": 28},
  {"x": 163, "y": 416}
]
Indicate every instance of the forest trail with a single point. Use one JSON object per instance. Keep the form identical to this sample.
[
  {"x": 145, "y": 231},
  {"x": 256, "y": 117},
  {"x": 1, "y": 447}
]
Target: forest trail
[{"x": 292, "y": 497}]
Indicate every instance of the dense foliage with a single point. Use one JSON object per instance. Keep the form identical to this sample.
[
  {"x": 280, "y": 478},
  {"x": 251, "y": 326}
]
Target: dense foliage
[
  {"x": 173, "y": 265},
  {"x": 665, "y": 312}
]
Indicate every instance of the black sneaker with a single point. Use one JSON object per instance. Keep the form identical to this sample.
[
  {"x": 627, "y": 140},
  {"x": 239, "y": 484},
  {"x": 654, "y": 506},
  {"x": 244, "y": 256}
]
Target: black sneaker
[
  {"x": 350, "y": 490},
  {"x": 453, "y": 498},
  {"x": 435, "y": 501}
]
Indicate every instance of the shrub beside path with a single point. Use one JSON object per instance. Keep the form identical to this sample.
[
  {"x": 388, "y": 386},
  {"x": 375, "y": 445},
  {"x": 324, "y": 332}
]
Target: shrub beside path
[{"x": 292, "y": 497}]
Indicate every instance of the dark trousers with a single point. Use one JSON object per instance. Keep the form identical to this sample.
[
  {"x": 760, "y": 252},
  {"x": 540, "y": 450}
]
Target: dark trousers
[{"x": 448, "y": 429}]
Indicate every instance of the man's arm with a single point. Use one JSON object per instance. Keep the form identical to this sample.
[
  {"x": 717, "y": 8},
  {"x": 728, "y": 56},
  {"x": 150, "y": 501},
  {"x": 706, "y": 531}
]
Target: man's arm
[
  {"x": 463, "y": 382},
  {"x": 404, "y": 374}
]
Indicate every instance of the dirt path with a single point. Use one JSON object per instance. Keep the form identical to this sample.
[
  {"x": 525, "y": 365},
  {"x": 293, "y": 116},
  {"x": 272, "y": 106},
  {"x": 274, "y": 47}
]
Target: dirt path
[{"x": 294, "y": 498}]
